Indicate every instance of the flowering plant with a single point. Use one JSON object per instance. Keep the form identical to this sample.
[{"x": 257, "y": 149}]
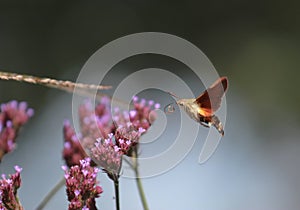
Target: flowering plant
[{"x": 104, "y": 136}]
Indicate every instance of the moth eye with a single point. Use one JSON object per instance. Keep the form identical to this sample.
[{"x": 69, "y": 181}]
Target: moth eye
[{"x": 179, "y": 103}]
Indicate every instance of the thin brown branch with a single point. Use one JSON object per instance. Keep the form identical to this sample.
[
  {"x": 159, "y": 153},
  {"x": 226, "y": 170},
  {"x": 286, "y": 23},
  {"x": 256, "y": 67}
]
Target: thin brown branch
[{"x": 49, "y": 82}]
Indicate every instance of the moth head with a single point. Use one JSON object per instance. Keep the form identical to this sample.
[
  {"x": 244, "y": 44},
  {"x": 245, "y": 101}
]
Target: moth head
[{"x": 180, "y": 102}]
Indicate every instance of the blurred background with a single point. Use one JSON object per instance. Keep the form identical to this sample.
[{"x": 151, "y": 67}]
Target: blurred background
[{"x": 254, "y": 43}]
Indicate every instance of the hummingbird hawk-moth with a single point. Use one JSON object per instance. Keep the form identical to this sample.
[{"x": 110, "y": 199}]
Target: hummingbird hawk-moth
[{"x": 202, "y": 109}]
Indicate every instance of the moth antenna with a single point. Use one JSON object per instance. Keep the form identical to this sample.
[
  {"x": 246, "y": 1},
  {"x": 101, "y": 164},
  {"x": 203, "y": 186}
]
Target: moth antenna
[{"x": 172, "y": 94}]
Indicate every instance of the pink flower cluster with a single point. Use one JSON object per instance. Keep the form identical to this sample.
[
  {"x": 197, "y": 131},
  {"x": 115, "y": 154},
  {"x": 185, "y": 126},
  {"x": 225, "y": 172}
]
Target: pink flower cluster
[
  {"x": 127, "y": 137},
  {"x": 13, "y": 116},
  {"x": 73, "y": 151},
  {"x": 108, "y": 136},
  {"x": 8, "y": 191},
  {"x": 99, "y": 123},
  {"x": 108, "y": 156},
  {"x": 141, "y": 115},
  {"x": 108, "y": 152},
  {"x": 95, "y": 122},
  {"x": 81, "y": 185}
]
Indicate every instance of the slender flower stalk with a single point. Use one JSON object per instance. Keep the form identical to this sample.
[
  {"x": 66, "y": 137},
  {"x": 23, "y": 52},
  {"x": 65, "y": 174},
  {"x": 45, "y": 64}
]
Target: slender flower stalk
[
  {"x": 50, "y": 194},
  {"x": 117, "y": 192},
  {"x": 138, "y": 180},
  {"x": 141, "y": 116}
]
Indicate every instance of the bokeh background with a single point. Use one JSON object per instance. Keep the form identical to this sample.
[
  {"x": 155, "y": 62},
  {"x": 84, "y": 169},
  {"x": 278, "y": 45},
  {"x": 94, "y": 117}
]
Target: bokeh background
[{"x": 255, "y": 43}]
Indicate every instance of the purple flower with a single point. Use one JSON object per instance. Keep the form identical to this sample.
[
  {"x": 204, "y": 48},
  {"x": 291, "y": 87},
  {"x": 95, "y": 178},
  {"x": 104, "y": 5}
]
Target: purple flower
[
  {"x": 107, "y": 153},
  {"x": 81, "y": 185},
  {"x": 95, "y": 122},
  {"x": 143, "y": 116},
  {"x": 8, "y": 190},
  {"x": 13, "y": 116},
  {"x": 73, "y": 151},
  {"x": 126, "y": 137},
  {"x": 107, "y": 137},
  {"x": 108, "y": 156}
]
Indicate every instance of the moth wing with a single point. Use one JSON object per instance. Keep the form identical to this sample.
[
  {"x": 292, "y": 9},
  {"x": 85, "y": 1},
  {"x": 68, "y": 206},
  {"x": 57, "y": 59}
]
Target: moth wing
[{"x": 210, "y": 100}]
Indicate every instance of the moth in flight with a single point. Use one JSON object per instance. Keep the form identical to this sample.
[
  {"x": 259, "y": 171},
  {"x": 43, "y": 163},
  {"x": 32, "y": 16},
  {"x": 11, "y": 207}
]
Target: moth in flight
[{"x": 202, "y": 109}]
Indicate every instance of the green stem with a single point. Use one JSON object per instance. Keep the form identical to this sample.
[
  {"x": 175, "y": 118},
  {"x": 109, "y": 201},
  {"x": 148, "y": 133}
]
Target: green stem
[
  {"x": 117, "y": 194},
  {"x": 51, "y": 194},
  {"x": 138, "y": 181}
]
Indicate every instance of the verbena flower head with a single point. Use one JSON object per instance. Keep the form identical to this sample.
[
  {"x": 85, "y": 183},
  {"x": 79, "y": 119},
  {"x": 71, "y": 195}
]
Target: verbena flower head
[
  {"x": 141, "y": 115},
  {"x": 95, "y": 122},
  {"x": 109, "y": 136},
  {"x": 81, "y": 185},
  {"x": 72, "y": 151},
  {"x": 126, "y": 137},
  {"x": 8, "y": 190},
  {"x": 13, "y": 116},
  {"x": 108, "y": 156},
  {"x": 108, "y": 153}
]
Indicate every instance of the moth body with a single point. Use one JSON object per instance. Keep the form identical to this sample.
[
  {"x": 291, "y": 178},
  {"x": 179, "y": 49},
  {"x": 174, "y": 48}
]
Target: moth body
[
  {"x": 202, "y": 108},
  {"x": 190, "y": 107}
]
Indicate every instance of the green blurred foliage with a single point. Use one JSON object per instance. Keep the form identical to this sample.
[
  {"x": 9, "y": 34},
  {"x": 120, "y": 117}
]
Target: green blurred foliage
[{"x": 255, "y": 43}]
